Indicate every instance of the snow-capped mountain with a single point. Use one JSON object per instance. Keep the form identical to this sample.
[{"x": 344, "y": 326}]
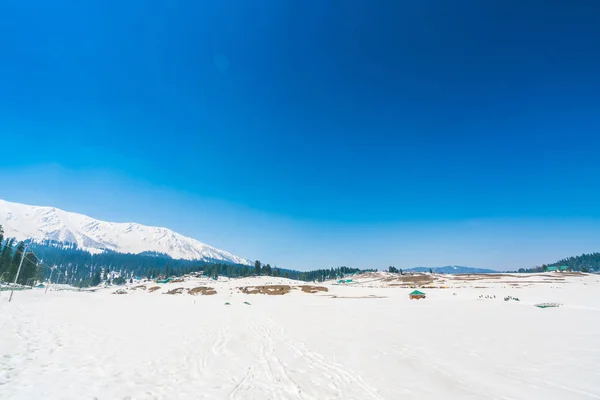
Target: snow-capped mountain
[{"x": 48, "y": 223}]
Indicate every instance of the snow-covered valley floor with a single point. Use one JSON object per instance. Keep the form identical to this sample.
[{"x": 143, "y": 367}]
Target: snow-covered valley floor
[{"x": 367, "y": 343}]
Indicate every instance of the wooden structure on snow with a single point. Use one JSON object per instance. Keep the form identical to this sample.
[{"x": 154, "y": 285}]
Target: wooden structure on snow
[{"x": 416, "y": 295}]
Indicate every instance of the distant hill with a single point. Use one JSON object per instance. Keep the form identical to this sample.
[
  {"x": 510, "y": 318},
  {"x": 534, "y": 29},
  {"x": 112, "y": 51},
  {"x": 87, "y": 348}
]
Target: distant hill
[{"x": 452, "y": 270}]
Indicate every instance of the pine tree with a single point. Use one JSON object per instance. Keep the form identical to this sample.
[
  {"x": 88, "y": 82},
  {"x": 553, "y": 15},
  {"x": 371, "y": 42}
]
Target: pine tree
[
  {"x": 266, "y": 270},
  {"x": 29, "y": 269},
  {"x": 119, "y": 281},
  {"x": 6, "y": 258},
  {"x": 257, "y": 268},
  {"x": 96, "y": 279},
  {"x": 1, "y": 241},
  {"x": 16, "y": 260}
]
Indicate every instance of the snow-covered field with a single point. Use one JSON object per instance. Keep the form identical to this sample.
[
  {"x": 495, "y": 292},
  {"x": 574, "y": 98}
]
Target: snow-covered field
[{"x": 368, "y": 342}]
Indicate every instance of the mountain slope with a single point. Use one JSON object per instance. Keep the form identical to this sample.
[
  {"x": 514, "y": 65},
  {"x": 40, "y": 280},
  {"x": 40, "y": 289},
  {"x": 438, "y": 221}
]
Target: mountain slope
[{"x": 48, "y": 223}]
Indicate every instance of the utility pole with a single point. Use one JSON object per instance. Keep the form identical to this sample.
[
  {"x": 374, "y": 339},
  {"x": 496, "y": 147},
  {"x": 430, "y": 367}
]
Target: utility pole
[
  {"x": 49, "y": 280},
  {"x": 18, "y": 272},
  {"x": 57, "y": 279}
]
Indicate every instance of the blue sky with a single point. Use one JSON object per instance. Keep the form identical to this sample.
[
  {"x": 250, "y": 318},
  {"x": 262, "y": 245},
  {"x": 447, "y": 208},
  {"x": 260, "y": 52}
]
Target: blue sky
[{"x": 315, "y": 133}]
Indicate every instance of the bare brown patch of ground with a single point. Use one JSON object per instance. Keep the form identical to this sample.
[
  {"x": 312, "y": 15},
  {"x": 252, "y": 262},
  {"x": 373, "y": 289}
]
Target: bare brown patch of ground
[
  {"x": 367, "y": 275},
  {"x": 271, "y": 290},
  {"x": 153, "y": 289},
  {"x": 313, "y": 289},
  {"x": 120, "y": 291},
  {"x": 203, "y": 290},
  {"x": 177, "y": 280},
  {"x": 416, "y": 279},
  {"x": 140, "y": 287},
  {"x": 372, "y": 296},
  {"x": 176, "y": 291}
]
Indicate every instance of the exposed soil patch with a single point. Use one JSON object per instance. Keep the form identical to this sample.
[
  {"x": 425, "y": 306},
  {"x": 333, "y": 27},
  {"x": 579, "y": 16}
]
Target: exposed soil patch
[
  {"x": 140, "y": 287},
  {"x": 203, "y": 290},
  {"x": 313, "y": 289},
  {"x": 178, "y": 280},
  {"x": 416, "y": 279},
  {"x": 359, "y": 297},
  {"x": 176, "y": 291},
  {"x": 120, "y": 291},
  {"x": 153, "y": 289},
  {"x": 271, "y": 290}
]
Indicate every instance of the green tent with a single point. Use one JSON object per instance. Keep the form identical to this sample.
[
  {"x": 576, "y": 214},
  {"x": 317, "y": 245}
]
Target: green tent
[
  {"x": 552, "y": 269},
  {"x": 417, "y": 293}
]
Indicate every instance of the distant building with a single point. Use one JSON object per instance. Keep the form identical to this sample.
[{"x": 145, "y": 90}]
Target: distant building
[
  {"x": 416, "y": 295},
  {"x": 551, "y": 269}
]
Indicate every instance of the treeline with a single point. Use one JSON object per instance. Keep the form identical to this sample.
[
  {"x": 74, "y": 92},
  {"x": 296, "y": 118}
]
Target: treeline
[
  {"x": 583, "y": 263},
  {"x": 64, "y": 263},
  {"x": 67, "y": 264},
  {"x": 11, "y": 256}
]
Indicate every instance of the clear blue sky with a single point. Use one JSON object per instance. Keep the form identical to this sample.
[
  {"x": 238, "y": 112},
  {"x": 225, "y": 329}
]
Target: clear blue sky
[{"x": 313, "y": 133}]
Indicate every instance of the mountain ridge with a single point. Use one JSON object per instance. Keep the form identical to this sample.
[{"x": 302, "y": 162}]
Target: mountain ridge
[{"x": 43, "y": 223}]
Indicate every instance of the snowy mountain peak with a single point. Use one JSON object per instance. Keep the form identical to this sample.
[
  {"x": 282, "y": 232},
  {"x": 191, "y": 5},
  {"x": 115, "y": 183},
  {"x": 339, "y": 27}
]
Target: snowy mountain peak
[{"x": 49, "y": 223}]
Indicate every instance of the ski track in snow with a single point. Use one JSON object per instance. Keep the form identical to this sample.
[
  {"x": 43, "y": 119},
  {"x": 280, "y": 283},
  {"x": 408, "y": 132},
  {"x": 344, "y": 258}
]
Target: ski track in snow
[
  {"x": 208, "y": 368},
  {"x": 268, "y": 369}
]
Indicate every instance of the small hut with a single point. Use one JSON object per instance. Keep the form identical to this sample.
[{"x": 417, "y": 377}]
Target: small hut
[{"x": 415, "y": 294}]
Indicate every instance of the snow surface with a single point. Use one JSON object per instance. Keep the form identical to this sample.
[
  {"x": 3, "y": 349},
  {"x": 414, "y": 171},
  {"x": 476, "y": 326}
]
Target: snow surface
[
  {"x": 48, "y": 223},
  {"x": 367, "y": 342}
]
